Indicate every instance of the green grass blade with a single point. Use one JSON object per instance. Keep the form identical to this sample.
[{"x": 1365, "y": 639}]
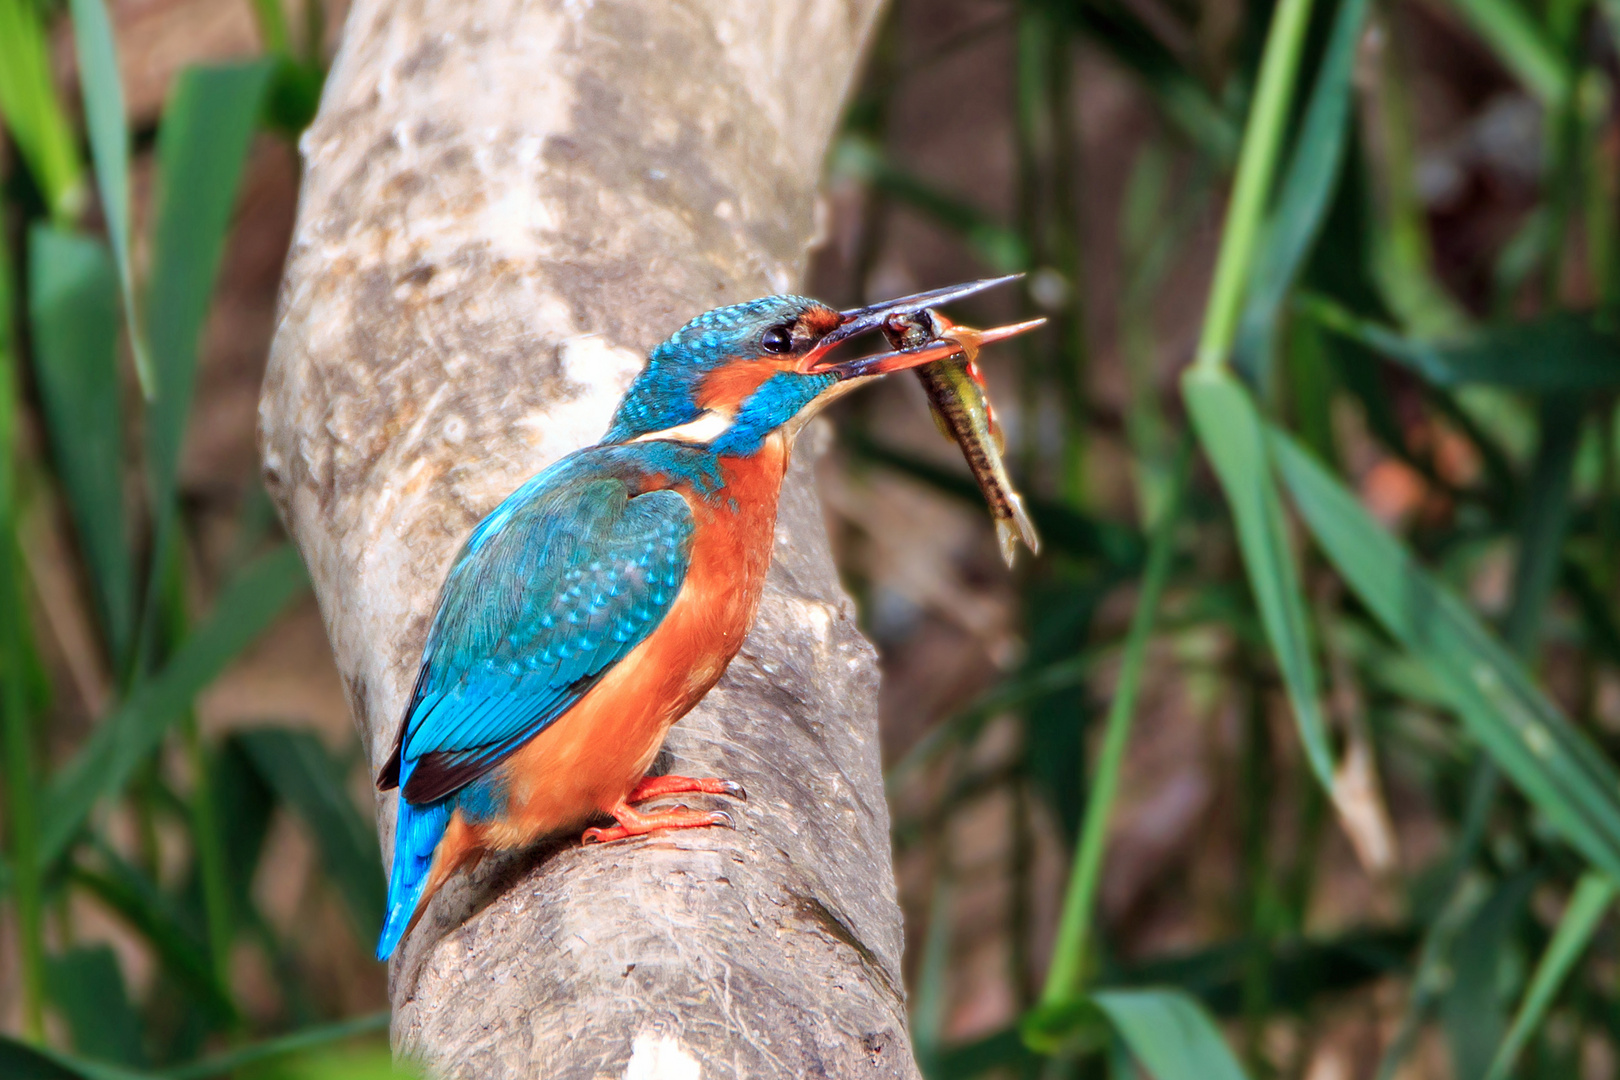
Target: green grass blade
[
  {"x": 19, "y": 1061},
  {"x": 29, "y": 105},
  {"x": 270, "y": 1049},
  {"x": 1472, "y": 1011},
  {"x": 102, "y": 767},
  {"x": 1543, "y": 520},
  {"x": 87, "y": 988},
  {"x": 1170, "y": 1034},
  {"x": 1521, "y": 45},
  {"x": 109, "y": 152},
  {"x": 1433, "y": 973},
  {"x": 272, "y": 23},
  {"x": 202, "y": 145},
  {"x": 1067, "y": 974},
  {"x": 1234, "y": 439},
  {"x": 301, "y": 772},
  {"x": 928, "y": 1002},
  {"x": 1593, "y": 896},
  {"x": 210, "y": 859},
  {"x": 1556, "y": 766},
  {"x": 1564, "y": 352},
  {"x": 245, "y": 804},
  {"x": 1257, "y": 163},
  {"x": 73, "y": 313},
  {"x": 17, "y": 750},
  {"x": 1305, "y": 195}
]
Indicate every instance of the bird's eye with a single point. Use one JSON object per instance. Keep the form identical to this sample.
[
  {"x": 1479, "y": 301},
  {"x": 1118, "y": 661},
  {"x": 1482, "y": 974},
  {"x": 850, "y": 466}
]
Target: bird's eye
[{"x": 778, "y": 339}]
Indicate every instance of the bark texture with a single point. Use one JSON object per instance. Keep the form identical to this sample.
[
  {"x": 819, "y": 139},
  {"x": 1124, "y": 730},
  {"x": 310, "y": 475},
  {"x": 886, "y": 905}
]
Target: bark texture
[{"x": 505, "y": 205}]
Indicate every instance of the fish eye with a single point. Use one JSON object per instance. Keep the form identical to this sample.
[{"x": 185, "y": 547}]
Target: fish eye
[{"x": 778, "y": 339}]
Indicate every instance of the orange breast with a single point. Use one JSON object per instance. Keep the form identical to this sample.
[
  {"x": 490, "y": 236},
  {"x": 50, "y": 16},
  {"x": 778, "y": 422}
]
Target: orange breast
[{"x": 590, "y": 758}]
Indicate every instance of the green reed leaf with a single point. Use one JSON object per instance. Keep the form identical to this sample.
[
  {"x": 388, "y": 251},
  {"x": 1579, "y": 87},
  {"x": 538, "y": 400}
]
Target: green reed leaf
[
  {"x": 1170, "y": 1034},
  {"x": 34, "y": 115},
  {"x": 1555, "y": 765},
  {"x": 101, "y": 768},
  {"x": 109, "y": 152},
  {"x": 1233, "y": 437},
  {"x": 73, "y": 313}
]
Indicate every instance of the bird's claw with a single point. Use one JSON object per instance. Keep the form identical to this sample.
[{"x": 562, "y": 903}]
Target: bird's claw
[
  {"x": 654, "y": 787},
  {"x": 634, "y": 824}
]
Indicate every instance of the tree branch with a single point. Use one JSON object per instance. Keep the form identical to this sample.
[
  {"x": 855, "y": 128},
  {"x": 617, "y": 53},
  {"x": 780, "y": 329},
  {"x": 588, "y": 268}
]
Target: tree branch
[{"x": 505, "y": 205}]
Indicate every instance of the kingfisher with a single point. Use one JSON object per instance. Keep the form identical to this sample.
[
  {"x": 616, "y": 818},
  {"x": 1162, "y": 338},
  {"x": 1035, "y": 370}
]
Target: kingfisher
[{"x": 604, "y": 597}]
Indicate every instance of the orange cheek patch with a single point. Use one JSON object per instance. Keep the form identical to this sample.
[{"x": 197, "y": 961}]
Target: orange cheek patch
[{"x": 726, "y": 388}]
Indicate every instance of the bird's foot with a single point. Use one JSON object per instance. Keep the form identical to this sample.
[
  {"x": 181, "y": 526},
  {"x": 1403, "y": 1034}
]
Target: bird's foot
[
  {"x": 653, "y": 787},
  {"x": 634, "y": 823}
]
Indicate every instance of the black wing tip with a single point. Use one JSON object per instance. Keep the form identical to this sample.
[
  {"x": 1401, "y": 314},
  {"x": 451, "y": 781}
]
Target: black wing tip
[
  {"x": 439, "y": 774},
  {"x": 388, "y": 775}
]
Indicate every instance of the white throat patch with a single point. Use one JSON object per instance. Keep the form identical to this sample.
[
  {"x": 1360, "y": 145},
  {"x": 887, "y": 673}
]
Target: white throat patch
[{"x": 705, "y": 429}]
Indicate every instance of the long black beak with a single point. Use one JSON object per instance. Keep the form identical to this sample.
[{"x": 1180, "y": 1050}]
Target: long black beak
[{"x": 864, "y": 320}]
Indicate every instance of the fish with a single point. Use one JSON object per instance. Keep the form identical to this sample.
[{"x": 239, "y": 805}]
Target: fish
[{"x": 960, "y": 403}]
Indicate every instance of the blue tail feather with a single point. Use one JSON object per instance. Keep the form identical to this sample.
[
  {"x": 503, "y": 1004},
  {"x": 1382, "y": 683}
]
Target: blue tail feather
[{"x": 416, "y": 836}]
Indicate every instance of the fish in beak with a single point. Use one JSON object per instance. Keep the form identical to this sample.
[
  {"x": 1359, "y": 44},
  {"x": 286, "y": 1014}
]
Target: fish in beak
[{"x": 860, "y": 321}]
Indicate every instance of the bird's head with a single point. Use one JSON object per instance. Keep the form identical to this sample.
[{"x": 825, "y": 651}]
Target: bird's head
[{"x": 735, "y": 374}]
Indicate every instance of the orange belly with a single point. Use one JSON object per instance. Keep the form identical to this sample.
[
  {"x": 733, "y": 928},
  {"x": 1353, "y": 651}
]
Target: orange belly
[{"x": 590, "y": 758}]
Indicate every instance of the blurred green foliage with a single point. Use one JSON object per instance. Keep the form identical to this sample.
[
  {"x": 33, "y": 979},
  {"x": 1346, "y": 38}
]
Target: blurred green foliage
[
  {"x": 74, "y": 317},
  {"x": 1326, "y": 301}
]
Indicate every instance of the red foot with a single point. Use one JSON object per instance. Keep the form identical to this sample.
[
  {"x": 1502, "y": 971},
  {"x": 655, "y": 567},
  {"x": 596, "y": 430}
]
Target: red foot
[
  {"x": 652, "y": 787},
  {"x": 634, "y": 823}
]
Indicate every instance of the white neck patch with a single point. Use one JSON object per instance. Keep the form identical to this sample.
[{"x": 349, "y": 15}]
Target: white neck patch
[{"x": 705, "y": 429}]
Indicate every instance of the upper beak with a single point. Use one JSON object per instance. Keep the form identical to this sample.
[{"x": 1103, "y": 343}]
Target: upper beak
[{"x": 864, "y": 320}]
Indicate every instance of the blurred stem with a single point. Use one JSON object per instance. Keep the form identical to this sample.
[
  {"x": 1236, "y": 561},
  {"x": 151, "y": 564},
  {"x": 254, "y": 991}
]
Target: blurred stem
[
  {"x": 1593, "y": 895},
  {"x": 928, "y": 1003},
  {"x": 1257, "y": 166},
  {"x": 21, "y": 795},
  {"x": 269, "y": 1049},
  {"x": 34, "y": 115},
  {"x": 315, "y": 34},
  {"x": 1432, "y": 970},
  {"x": 1049, "y": 225},
  {"x": 272, "y": 23},
  {"x": 1404, "y": 259},
  {"x": 1256, "y": 888},
  {"x": 1020, "y": 896},
  {"x": 1519, "y": 44},
  {"x": 1065, "y": 241},
  {"x": 211, "y": 866},
  {"x": 1070, "y": 956}
]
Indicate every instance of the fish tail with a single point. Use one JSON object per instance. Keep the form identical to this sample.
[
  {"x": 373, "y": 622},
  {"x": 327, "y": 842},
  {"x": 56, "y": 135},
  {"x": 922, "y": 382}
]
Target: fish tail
[
  {"x": 416, "y": 838},
  {"x": 1026, "y": 527},
  {"x": 1014, "y": 527},
  {"x": 1007, "y": 540}
]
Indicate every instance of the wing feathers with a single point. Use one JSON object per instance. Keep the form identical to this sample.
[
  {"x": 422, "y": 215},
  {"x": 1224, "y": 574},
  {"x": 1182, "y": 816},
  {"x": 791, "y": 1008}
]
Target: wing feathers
[{"x": 533, "y": 613}]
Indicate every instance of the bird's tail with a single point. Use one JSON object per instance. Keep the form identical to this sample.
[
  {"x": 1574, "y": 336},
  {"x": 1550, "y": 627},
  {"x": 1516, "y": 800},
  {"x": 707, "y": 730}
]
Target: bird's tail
[{"x": 416, "y": 837}]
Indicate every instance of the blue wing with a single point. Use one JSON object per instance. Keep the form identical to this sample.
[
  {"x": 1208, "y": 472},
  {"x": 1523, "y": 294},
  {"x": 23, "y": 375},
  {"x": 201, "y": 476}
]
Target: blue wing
[{"x": 552, "y": 589}]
